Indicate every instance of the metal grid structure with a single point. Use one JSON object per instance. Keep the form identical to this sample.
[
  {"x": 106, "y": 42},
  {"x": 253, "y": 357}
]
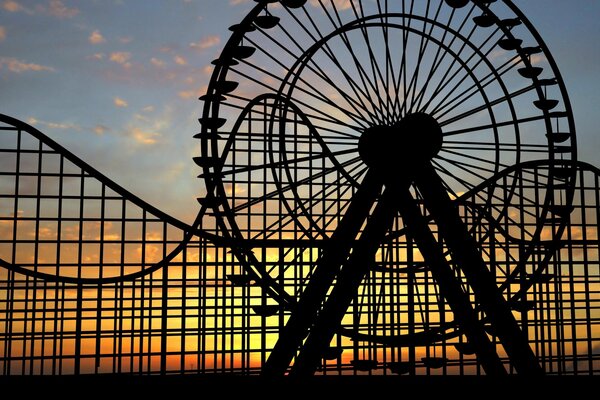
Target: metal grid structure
[
  {"x": 187, "y": 305},
  {"x": 94, "y": 280}
]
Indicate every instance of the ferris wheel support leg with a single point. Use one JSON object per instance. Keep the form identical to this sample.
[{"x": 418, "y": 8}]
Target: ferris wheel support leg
[
  {"x": 334, "y": 255},
  {"x": 465, "y": 253},
  {"x": 345, "y": 289},
  {"x": 450, "y": 287},
  {"x": 357, "y": 267}
]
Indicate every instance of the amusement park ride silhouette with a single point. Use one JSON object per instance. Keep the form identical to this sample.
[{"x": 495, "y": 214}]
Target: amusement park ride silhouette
[{"x": 388, "y": 187}]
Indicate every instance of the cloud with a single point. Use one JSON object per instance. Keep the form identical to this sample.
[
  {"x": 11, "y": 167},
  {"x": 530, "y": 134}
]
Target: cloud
[
  {"x": 96, "y": 37},
  {"x": 238, "y": 2},
  {"x": 146, "y": 138},
  {"x": 121, "y": 57},
  {"x": 206, "y": 42},
  {"x": 148, "y": 109},
  {"x": 58, "y": 9},
  {"x": 96, "y": 56},
  {"x": 120, "y": 102},
  {"x": 18, "y": 66},
  {"x": 13, "y": 6},
  {"x": 148, "y": 130},
  {"x": 188, "y": 94},
  {"x": 339, "y": 4},
  {"x": 157, "y": 62},
  {"x": 100, "y": 130},
  {"x": 54, "y": 125},
  {"x": 537, "y": 59},
  {"x": 2, "y": 33},
  {"x": 179, "y": 60},
  {"x": 55, "y": 8},
  {"x": 126, "y": 39}
]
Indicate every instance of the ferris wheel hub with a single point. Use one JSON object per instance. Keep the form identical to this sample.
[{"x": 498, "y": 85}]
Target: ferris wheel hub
[{"x": 406, "y": 145}]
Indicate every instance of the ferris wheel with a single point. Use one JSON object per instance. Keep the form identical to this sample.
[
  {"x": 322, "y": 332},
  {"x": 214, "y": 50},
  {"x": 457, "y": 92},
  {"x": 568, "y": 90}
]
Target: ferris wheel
[{"x": 373, "y": 145}]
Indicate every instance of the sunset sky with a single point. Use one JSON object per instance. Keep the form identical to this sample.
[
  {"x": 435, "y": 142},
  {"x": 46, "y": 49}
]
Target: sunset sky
[{"x": 117, "y": 81}]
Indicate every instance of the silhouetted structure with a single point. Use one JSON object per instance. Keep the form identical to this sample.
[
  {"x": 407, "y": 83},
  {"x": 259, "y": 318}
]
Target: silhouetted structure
[{"x": 390, "y": 187}]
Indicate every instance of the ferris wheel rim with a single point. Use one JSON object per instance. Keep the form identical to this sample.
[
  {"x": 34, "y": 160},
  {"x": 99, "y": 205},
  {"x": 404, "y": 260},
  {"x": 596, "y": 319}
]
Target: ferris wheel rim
[{"x": 255, "y": 11}]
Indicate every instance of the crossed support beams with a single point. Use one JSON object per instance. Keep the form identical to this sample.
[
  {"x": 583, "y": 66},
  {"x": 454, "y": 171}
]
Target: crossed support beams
[{"x": 350, "y": 256}]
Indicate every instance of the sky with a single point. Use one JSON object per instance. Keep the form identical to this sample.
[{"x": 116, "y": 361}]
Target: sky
[{"x": 117, "y": 81}]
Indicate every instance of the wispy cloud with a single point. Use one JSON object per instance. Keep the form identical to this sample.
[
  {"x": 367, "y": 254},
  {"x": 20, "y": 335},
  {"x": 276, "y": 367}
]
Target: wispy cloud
[
  {"x": 96, "y": 37},
  {"x": 53, "y": 125},
  {"x": 206, "y": 42},
  {"x": 148, "y": 129},
  {"x": 189, "y": 94},
  {"x": 55, "y": 8},
  {"x": 100, "y": 130},
  {"x": 119, "y": 102},
  {"x": 59, "y": 9},
  {"x": 537, "y": 59},
  {"x": 339, "y": 4},
  {"x": 157, "y": 62},
  {"x": 144, "y": 137},
  {"x": 238, "y": 2},
  {"x": 179, "y": 60},
  {"x": 13, "y": 6},
  {"x": 18, "y": 66},
  {"x": 2, "y": 33},
  {"x": 96, "y": 56},
  {"x": 121, "y": 57}
]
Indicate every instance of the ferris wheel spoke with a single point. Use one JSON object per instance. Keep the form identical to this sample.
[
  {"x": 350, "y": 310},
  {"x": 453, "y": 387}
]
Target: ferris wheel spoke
[
  {"x": 469, "y": 168},
  {"x": 373, "y": 83},
  {"x": 357, "y": 172},
  {"x": 389, "y": 64},
  {"x": 313, "y": 92},
  {"x": 325, "y": 117},
  {"x": 478, "y": 85},
  {"x": 450, "y": 75},
  {"x": 315, "y": 68},
  {"x": 322, "y": 117},
  {"x": 357, "y": 105},
  {"x": 434, "y": 67},
  {"x": 402, "y": 72},
  {"x": 367, "y": 84},
  {"x": 335, "y": 136},
  {"x": 499, "y": 207},
  {"x": 287, "y": 162},
  {"x": 289, "y": 187},
  {"x": 437, "y": 61},
  {"x": 479, "y": 128},
  {"x": 375, "y": 69},
  {"x": 466, "y": 184},
  {"x": 361, "y": 92},
  {"x": 477, "y": 159},
  {"x": 457, "y": 101},
  {"x": 480, "y": 146},
  {"x": 424, "y": 44},
  {"x": 301, "y": 204}
]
